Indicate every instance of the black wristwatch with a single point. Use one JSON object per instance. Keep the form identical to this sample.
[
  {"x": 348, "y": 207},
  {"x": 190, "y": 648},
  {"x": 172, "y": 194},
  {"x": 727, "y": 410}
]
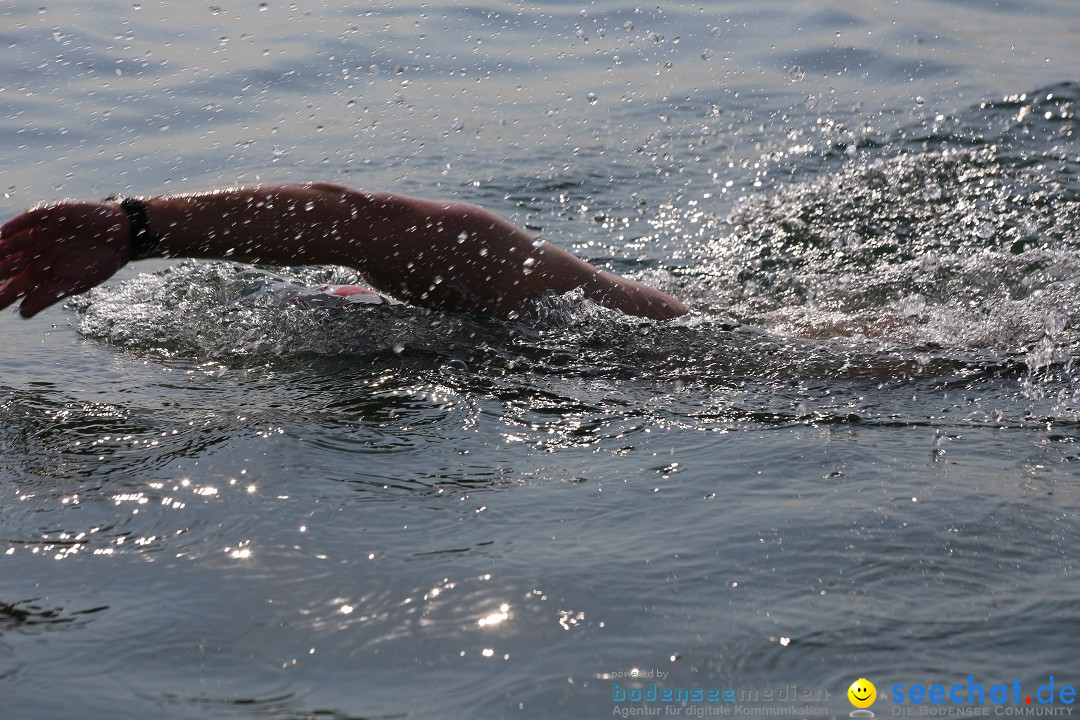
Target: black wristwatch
[{"x": 144, "y": 243}]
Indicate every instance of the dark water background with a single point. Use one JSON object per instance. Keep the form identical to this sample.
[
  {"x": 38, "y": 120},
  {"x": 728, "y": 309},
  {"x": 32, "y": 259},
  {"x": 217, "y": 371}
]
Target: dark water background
[{"x": 856, "y": 458}]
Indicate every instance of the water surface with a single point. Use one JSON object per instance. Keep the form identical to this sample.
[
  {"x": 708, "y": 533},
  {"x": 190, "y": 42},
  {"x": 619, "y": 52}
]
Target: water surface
[{"x": 855, "y": 457}]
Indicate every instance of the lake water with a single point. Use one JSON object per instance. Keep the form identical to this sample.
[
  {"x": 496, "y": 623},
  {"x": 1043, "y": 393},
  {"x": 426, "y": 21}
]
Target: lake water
[{"x": 857, "y": 457}]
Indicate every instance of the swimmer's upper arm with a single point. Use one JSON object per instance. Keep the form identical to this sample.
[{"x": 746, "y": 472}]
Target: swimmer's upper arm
[{"x": 456, "y": 256}]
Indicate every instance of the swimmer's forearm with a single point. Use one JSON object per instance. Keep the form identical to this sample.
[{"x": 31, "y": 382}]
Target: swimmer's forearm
[
  {"x": 435, "y": 254},
  {"x": 267, "y": 224}
]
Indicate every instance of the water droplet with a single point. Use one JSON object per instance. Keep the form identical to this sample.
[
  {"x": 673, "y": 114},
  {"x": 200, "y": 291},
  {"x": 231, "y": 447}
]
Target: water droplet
[
  {"x": 398, "y": 349},
  {"x": 528, "y": 265},
  {"x": 920, "y": 100},
  {"x": 538, "y": 243},
  {"x": 628, "y": 25},
  {"x": 706, "y": 54},
  {"x": 591, "y": 97},
  {"x": 262, "y": 7},
  {"x": 309, "y": 205},
  {"x": 1054, "y": 323},
  {"x": 462, "y": 237},
  {"x": 483, "y": 252}
]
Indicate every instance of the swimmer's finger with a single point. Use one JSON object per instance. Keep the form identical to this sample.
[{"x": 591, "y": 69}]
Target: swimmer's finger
[
  {"x": 14, "y": 288},
  {"x": 12, "y": 265},
  {"x": 23, "y": 222},
  {"x": 16, "y": 242},
  {"x": 46, "y": 294}
]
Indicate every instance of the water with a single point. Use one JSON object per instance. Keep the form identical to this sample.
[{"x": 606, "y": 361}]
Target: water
[{"x": 855, "y": 458}]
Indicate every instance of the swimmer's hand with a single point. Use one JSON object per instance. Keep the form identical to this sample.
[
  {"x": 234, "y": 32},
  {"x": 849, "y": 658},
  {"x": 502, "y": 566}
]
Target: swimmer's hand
[{"x": 53, "y": 251}]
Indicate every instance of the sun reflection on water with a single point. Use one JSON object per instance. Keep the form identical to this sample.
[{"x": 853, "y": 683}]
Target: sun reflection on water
[{"x": 496, "y": 617}]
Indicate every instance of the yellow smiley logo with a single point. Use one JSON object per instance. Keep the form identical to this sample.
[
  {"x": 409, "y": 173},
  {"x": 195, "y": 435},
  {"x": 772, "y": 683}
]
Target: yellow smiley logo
[{"x": 862, "y": 693}]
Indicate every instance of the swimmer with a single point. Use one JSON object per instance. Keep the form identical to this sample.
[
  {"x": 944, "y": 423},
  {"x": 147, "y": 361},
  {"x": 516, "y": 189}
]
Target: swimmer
[{"x": 439, "y": 255}]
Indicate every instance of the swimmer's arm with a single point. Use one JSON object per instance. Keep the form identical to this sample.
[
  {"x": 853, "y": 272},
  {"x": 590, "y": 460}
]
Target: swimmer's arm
[
  {"x": 450, "y": 256},
  {"x": 443, "y": 255}
]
